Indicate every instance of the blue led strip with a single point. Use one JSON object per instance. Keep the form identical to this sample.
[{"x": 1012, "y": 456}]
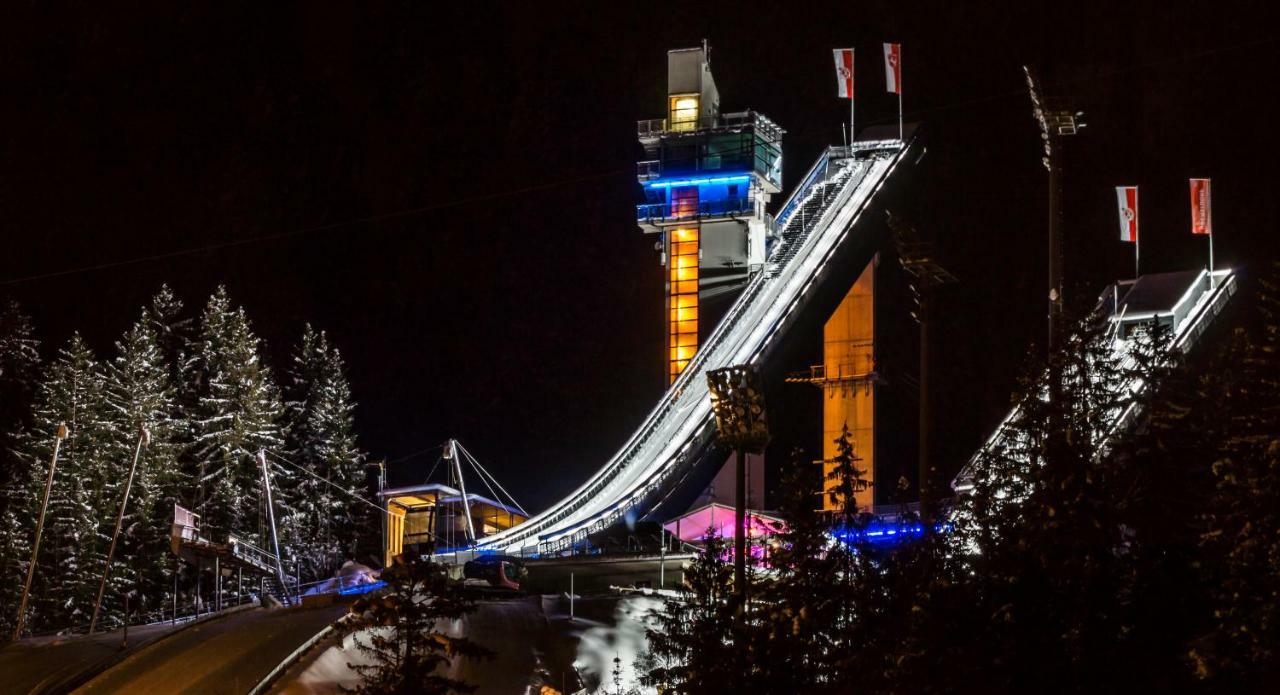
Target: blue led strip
[{"x": 699, "y": 182}]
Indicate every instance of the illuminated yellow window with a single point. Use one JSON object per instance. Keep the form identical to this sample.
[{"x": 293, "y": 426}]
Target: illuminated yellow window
[
  {"x": 682, "y": 275},
  {"x": 684, "y": 113}
]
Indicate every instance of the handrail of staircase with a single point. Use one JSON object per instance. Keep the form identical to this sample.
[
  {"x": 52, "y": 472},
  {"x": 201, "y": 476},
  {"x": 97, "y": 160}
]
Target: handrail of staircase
[{"x": 819, "y": 165}]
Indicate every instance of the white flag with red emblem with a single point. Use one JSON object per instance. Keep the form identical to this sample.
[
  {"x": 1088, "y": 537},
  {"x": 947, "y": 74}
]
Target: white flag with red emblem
[
  {"x": 1201, "y": 212},
  {"x": 893, "y": 67},
  {"x": 844, "y": 72},
  {"x": 1127, "y": 197}
]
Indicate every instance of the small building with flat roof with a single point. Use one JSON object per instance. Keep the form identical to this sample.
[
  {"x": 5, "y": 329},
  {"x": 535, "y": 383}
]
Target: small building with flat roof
[{"x": 425, "y": 519}]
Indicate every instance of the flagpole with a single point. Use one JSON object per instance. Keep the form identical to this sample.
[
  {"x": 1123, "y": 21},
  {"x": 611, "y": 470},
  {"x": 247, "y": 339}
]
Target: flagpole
[
  {"x": 1137, "y": 237},
  {"x": 1211, "y": 282},
  {"x": 899, "y": 112},
  {"x": 1137, "y": 250},
  {"x": 852, "y": 137},
  {"x": 898, "y": 79}
]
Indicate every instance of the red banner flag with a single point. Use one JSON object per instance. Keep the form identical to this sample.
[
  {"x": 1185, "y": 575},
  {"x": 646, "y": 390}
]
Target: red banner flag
[
  {"x": 1201, "y": 212},
  {"x": 893, "y": 67},
  {"x": 1127, "y": 197},
  {"x": 844, "y": 72}
]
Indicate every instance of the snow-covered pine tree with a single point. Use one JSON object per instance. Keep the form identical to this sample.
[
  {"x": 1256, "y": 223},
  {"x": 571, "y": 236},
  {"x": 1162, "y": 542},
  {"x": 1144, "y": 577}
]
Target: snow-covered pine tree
[
  {"x": 19, "y": 362},
  {"x": 236, "y": 414},
  {"x": 72, "y": 551},
  {"x": 175, "y": 334},
  {"x": 140, "y": 392},
  {"x": 330, "y": 519}
]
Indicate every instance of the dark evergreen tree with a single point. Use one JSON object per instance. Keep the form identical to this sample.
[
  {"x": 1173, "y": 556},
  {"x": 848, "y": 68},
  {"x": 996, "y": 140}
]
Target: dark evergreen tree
[
  {"x": 237, "y": 414},
  {"x": 400, "y": 633},
  {"x": 1053, "y": 558},
  {"x": 1240, "y": 528},
  {"x": 795, "y": 642},
  {"x": 72, "y": 550},
  {"x": 692, "y": 646},
  {"x": 330, "y": 517},
  {"x": 19, "y": 364},
  {"x": 140, "y": 392}
]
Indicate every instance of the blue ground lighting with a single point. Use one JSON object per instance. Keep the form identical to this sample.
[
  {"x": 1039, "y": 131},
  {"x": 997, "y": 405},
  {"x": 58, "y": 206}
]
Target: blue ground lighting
[
  {"x": 361, "y": 589},
  {"x": 884, "y": 532}
]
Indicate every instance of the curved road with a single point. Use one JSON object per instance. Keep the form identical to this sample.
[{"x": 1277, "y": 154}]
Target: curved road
[{"x": 229, "y": 655}]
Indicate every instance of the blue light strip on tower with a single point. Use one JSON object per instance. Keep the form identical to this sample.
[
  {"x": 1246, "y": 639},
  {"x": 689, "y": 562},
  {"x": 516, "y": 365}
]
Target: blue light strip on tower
[{"x": 699, "y": 182}]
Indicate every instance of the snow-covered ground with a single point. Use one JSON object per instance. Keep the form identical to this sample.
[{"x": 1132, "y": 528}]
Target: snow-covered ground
[{"x": 535, "y": 643}]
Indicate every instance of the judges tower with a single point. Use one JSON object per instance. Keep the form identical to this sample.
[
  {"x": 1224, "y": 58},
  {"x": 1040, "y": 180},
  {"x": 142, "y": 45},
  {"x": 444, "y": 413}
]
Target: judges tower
[{"x": 707, "y": 177}]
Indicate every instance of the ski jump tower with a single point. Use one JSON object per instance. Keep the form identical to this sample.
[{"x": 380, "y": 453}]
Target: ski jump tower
[{"x": 707, "y": 177}]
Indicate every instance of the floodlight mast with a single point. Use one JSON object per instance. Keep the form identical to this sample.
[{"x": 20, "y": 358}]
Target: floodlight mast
[
  {"x": 1055, "y": 121},
  {"x": 917, "y": 260},
  {"x": 737, "y": 401}
]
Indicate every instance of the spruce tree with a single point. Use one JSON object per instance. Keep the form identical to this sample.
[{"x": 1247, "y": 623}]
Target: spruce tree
[
  {"x": 795, "y": 640},
  {"x": 236, "y": 414},
  {"x": 691, "y": 646},
  {"x": 1052, "y": 545},
  {"x": 140, "y": 392},
  {"x": 330, "y": 517},
  {"x": 19, "y": 364},
  {"x": 400, "y": 632},
  {"x": 1240, "y": 528},
  {"x": 72, "y": 549},
  {"x": 19, "y": 361}
]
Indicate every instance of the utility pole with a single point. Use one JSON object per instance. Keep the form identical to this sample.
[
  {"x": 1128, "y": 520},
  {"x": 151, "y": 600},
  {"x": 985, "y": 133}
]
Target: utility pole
[
  {"x": 916, "y": 258},
  {"x": 144, "y": 438},
  {"x": 59, "y": 435}
]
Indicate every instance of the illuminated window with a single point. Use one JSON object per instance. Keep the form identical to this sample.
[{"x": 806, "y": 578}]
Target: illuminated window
[
  {"x": 684, "y": 113},
  {"x": 684, "y": 205},
  {"x": 682, "y": 301}
]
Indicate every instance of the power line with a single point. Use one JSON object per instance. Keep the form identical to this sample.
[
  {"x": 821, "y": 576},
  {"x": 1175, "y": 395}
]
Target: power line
[
  {"x": 408, "y": 212},
  {"x": 415, "y": 454},
  {"x": 281, "y": 459}
]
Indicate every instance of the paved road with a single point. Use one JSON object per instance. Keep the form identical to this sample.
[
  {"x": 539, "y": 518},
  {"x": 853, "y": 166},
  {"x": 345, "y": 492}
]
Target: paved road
[
  {"x": 229, "y": 655},
  {"x": 58, "y": 664}
]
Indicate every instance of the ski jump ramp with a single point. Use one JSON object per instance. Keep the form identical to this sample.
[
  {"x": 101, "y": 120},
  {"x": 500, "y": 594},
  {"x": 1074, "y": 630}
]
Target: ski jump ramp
[{"x": 828, "y": 225}]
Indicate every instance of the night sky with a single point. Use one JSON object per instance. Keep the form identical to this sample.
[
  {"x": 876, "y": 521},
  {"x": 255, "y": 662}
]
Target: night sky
[{"x": 448, "y": 190}]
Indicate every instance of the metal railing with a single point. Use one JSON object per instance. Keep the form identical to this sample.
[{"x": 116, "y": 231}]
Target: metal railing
[
  {"x": 649, "y": 169},
  {"x": 666, "y": 212},
  {"x": 652, "y": 127},
  {"x": 251, "y": 553}
]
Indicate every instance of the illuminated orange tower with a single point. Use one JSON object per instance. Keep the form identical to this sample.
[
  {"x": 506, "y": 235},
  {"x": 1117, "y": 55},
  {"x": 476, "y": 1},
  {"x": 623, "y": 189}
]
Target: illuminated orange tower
[
  {"x": 707, "y": 178},
  {"x": 847, "y": 377}
]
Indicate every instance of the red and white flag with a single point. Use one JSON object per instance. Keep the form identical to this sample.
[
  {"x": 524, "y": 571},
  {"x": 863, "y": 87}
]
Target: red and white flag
[
  {"x": 893, "y": 67},
  {"x": 844, "y": 72},
  {"x": 1201, "y": 211},
  {"x": 1127, "y": 197}
]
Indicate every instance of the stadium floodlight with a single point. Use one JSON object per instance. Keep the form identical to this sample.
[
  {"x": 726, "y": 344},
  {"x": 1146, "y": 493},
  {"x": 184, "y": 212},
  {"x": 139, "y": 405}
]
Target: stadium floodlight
[{"x": 738, "y": 404}]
